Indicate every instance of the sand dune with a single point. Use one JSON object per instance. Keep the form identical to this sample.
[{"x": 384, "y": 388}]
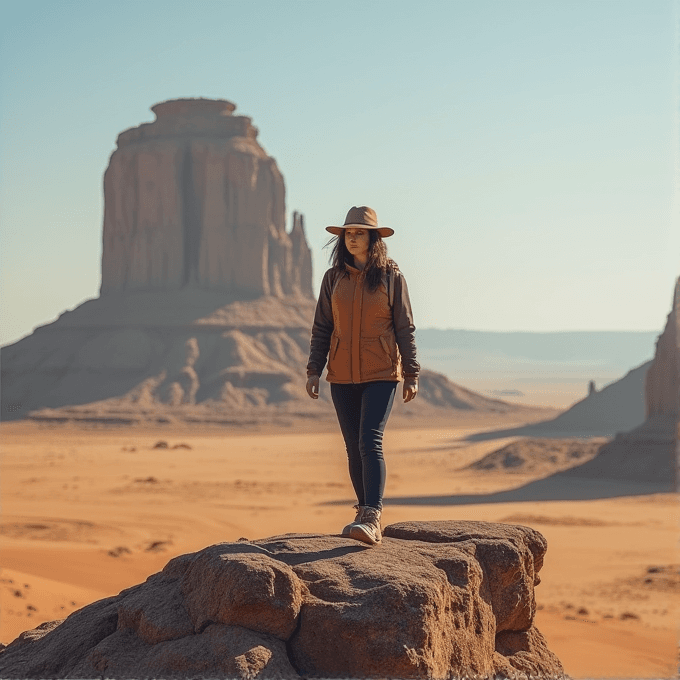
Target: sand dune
[{"x": 539, "y": 456}]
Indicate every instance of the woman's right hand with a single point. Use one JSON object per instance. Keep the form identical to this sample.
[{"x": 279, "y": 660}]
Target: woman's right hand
[{"x": 313, "y": 386}]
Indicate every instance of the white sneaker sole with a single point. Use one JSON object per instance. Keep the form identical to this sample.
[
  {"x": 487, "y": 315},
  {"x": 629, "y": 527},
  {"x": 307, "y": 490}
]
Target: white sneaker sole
[{"x": 360, "y": 534}]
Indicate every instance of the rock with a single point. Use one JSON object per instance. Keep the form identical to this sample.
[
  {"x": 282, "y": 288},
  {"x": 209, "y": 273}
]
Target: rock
[
  {"x": 219, "y": 652},
  {"x": 251, "y": 590},
  {"x": 662, "y": 386},
  {"x": 156, "y": 612},
  {"x": 644, "y": 403},
  {"x": 204, "y": 371},
  {"x": 417, "y": 612},
  {"x": 193, "y": 198},
  {"x": 434, "y": 600},
  {"x": 54, "y": 648},
  {"x": 616, "y": 407},
  {"x": 538, "y": 455},
  {"x": 301, "y": 272},
  {"x": 525, "y": 651},
  {"x": 437, "y": 390},
  {"x": 511, "y": 587},
  {"x": 647, "y": 453}
]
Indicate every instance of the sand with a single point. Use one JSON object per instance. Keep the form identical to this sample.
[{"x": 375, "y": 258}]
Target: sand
[{"x": 86, "y": 513}]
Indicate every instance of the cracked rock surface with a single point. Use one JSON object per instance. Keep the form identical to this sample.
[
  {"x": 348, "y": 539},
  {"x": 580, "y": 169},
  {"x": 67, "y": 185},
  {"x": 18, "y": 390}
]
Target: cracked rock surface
[{"x": 434, "y": 600}]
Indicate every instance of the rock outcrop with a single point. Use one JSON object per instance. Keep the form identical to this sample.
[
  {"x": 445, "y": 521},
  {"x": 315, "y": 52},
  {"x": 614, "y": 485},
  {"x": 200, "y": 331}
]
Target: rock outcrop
[
  {"x": 193, "y": 199},
  {"x": 616, "y": 407},
  {"x": 240, "y": 364},
  {"x": 438, "y": 391},
  {"x": 143, "y": 356},
  {"x": 646, "y": 397},
  {"x": 662, "y": 385},
  {"x": 434, "y": 600},
  {"x": 537, "y": 456},
  {"x": 648, "y": 453}
]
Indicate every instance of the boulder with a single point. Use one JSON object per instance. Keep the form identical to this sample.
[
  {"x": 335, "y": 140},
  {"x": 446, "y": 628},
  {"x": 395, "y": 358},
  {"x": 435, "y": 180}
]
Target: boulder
[
  {"x": 219, "y": 652},
  {"x": 156, "y": 612},
  {"x": 511, "y": 560},
  {"x": 434, "y": 600},
  {"x": 252, "y": 590}
]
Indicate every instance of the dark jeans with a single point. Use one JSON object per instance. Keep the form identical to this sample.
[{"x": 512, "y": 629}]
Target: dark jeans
[{"x": 363, "y": 410}]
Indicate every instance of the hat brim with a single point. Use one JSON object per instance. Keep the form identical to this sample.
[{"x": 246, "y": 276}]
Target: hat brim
[{"x": 338, "y": 231}]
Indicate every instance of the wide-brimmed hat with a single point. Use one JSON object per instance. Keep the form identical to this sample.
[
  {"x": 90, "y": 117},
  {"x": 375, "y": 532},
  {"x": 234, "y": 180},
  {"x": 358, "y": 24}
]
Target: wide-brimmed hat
[{"x": 361, "y": 217}]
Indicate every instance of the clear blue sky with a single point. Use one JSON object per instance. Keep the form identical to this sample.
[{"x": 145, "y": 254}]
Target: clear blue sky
[{"x": 525, "y": 151}]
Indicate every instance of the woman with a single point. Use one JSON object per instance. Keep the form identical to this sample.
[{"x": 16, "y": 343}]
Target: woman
[{"x": 364, "y": 325}]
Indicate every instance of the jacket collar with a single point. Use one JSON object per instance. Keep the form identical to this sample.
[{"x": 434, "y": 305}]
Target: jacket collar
[{"x": 354, "y": 270}]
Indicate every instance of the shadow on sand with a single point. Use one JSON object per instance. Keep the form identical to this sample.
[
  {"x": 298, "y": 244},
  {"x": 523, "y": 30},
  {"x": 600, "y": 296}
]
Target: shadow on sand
[
  {"x": 580, "y": 483},
  {"x": 557, "y": 487},
  {"x": 542, "y": 429}
]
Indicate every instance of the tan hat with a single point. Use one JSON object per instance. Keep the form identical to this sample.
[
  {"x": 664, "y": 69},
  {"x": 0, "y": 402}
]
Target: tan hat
[{"x": 361, "y": 217}]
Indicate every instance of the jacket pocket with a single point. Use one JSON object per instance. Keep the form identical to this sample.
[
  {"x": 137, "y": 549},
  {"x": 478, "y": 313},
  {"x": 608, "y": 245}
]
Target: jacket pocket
[
  {"x": 339, "y": 361},
  {"x": 386, "y": 347},
  {"x": 335, "y": 343},
  {"x": 376, "y": 362}
]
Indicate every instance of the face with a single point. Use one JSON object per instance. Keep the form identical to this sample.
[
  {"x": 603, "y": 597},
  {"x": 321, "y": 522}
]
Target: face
[{"x": 357, "y": 242}]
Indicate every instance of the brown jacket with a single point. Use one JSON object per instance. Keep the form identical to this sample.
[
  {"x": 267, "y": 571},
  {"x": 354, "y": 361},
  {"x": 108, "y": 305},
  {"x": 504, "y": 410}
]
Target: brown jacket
[{"x": 363, "y": 338}]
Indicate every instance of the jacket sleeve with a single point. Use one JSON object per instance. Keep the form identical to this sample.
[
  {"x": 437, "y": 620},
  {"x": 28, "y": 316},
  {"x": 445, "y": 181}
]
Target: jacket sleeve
[
  {"x": 322, "y": 328},
  {"x": 404, "y": 328}
]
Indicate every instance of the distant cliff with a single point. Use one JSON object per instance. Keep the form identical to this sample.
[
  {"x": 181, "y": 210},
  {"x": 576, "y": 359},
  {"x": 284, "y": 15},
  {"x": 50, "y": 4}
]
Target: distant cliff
[
  {"x": 662, "y": 386},
  {"x": 648, "y": 453}
]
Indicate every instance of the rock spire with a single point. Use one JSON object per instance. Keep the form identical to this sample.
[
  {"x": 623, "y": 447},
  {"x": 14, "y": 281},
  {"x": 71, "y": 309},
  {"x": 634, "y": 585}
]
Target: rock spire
[{"x": 662, "y": 385}]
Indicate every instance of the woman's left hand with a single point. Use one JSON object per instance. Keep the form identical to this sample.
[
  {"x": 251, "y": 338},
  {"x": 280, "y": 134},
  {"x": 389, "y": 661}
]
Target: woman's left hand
[{"x": 410, "y": 388}]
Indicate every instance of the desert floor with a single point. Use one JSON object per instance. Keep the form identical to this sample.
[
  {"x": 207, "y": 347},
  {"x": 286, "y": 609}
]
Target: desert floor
[{"x": 86, "y": 513}]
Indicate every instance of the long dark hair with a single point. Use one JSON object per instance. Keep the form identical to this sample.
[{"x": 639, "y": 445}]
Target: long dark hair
[{"x": 378, "y": 262}]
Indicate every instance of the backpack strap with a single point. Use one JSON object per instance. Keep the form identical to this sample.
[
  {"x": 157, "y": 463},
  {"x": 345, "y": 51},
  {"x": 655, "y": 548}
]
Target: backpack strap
[
  {"x": 389, "y": 284},
  {"x": 388, "y": 281}
]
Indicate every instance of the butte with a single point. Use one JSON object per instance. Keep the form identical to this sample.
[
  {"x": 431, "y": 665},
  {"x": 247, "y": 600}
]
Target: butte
[
  {"x": 204, "y": 298},
  {"x": 206, "y": 301}
]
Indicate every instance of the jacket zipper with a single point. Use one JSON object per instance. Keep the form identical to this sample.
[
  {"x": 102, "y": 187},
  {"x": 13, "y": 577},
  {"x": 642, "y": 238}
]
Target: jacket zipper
[{"x": 358, "y": 289}]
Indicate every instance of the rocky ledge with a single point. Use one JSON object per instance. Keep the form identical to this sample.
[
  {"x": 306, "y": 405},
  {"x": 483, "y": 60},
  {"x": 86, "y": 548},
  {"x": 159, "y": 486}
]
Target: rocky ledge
[{"x": 434, "y": 600}]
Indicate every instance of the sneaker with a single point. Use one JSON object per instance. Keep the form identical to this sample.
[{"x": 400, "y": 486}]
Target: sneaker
[
  {"x": 348, "y": 529},
  {"x": 368, "y": 530}
]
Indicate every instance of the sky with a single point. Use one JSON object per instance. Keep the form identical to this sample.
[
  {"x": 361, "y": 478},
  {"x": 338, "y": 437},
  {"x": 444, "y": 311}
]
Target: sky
[{"x": 524, "y": 151}]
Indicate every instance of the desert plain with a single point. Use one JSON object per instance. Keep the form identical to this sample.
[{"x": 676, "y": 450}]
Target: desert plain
[{"x": 87, "y": 512}]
